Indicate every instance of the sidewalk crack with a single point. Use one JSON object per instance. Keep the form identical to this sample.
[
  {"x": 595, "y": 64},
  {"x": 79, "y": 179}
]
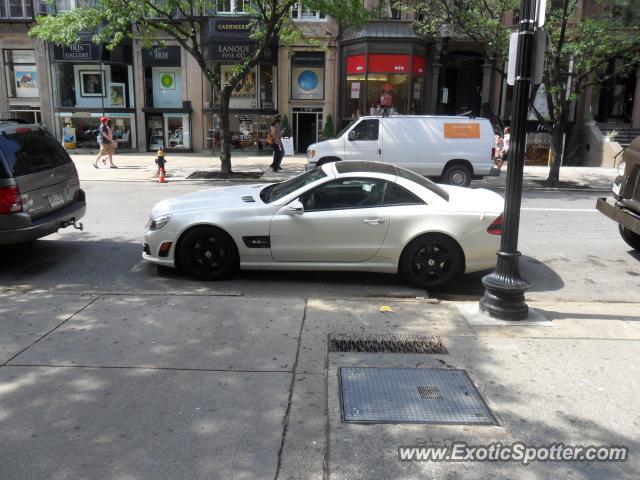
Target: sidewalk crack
[
  {"x": 51, "y": 331},
  {"x": 285, "y": 419}
]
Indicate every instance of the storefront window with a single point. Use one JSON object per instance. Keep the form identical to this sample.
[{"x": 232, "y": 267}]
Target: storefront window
[
  {"x": 163, "y": 87},
  {"x": 79, "y": 130},
  {"x": 355, "y": 96},
  {"x": 267, "y": 87},
  {"x": 21, "y": 75},
  {"x": 415, "y": 104},
  {"x": 92, "y": 85},
  {"x": 248, "y": 131}
]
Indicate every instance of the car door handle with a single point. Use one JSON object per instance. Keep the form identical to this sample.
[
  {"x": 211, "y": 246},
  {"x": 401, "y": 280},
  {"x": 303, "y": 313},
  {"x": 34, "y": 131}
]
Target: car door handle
[{"x": 374, "y": 221}]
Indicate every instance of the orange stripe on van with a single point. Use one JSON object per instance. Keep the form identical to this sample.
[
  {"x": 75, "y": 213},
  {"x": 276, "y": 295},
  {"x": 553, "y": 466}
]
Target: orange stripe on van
[{"x": 461, "y": 130}]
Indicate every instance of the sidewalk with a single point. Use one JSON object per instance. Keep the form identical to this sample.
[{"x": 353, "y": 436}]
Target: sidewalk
[
  {"x": 141, "y": 167},
  {"x": 210, "y": 387}
]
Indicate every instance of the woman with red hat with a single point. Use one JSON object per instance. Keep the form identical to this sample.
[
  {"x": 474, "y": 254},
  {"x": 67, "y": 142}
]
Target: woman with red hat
[{"x": 105, "y": 140}]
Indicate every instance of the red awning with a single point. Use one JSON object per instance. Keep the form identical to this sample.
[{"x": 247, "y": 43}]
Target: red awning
[{"x": 355, "y": 64}]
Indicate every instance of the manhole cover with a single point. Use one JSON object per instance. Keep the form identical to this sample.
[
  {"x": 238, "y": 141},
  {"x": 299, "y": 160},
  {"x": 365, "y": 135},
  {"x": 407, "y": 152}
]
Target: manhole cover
[
  {"x": 411, "y": 395},
  {"x": 351, "y": 342}
]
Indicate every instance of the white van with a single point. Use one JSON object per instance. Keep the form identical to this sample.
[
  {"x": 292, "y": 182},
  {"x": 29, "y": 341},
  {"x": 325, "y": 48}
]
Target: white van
[{"x": 454, "y": 149}]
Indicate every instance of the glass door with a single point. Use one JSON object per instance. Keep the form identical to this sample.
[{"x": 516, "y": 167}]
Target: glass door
[{"x": 176, "y": 131}]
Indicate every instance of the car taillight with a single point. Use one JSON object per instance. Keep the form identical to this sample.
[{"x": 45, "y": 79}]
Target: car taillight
[
  {"x": 10, "y": 201},
  {"x": 496, "y": 226}
]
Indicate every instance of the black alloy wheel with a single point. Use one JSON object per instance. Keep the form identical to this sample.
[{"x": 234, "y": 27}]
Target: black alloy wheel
[
  {"x": 431, "y": 261},
  {"x": 208, "y": 253}
]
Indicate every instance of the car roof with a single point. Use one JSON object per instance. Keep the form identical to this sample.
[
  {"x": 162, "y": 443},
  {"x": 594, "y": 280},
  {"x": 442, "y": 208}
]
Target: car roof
[{"x": 365, "y": 167}]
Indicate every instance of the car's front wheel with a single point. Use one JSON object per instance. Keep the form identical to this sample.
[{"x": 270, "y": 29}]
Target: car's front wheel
[
  {"x": 632, "y": 238},
  {"x": 431, "y": 260},
  {"x": 208, "y": 253}
]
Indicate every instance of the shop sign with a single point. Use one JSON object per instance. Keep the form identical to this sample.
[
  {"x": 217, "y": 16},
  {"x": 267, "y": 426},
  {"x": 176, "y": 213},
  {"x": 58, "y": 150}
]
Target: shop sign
[
  {"x": 355, "y": 64},
  {"x": 355, "y": 90},
  {"x": 246, "y": 127},
  {"x": 77, "y": 51},
  {"x": 233, "y": 26},
  {"x": 389, "y": 63},
  {"x": 237, "y": 50},
  {"x": 159, "y": 57},
  {"x": 308, "y": 59}
]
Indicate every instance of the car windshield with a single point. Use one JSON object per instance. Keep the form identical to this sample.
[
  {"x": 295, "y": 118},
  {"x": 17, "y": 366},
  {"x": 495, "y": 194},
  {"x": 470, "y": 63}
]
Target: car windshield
[{"x": 278, "y": 190}]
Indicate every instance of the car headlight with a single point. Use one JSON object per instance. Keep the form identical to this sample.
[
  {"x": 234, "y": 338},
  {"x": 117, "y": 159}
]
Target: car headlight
[
  {"x": 621, "y": 167},
  {"x": 311, "y": 153},
  {"x": 156, "y": 223}
]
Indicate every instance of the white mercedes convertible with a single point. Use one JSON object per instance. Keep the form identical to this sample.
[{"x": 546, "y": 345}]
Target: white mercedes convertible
[{"x": 342, "y": 216}]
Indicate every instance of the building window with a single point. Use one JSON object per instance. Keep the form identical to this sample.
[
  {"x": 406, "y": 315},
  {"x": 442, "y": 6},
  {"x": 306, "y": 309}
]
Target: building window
[
  {"x": 16, "y": 9},
  {"x": 67, "y": 5},
  {"x": 21, "y": 75},
  {"x": 232, "y": 6},
  {"x": 300, "y": 13}
]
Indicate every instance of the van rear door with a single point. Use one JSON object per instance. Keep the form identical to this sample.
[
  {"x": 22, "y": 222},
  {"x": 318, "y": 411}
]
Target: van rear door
[
  {"x": 42, "y": 169},
  {"x": 364, "y": 141}
]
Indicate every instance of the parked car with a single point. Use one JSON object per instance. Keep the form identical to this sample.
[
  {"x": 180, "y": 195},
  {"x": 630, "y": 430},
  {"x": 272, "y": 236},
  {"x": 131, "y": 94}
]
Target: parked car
[
  {"x": 624, "y": 208},
  {"x": 39, "y": 186},
  {"x": 344, "y": 216},
  {"x": 453, "y": 149}
]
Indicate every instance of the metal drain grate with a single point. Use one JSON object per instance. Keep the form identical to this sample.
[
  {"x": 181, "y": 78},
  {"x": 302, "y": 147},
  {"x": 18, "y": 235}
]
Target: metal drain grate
[
  {"x": 429, "y": 393},
  {"x": 352, "y": 342},
  {"x": 411, "y": 395}
]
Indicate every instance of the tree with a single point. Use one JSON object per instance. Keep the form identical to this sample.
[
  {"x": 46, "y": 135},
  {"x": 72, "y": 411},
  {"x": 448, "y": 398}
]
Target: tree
[
  {"x": 327, "y": 131},
  {"x": 116, "y": 20},
  {"x": 581, "y": 51}
]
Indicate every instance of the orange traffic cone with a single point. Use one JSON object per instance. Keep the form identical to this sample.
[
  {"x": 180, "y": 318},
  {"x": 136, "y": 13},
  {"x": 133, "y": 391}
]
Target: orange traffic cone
[{"x": 161, "y": 176}]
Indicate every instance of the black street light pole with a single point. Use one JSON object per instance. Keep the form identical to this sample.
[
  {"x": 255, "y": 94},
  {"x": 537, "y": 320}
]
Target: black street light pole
[{"x": 504, "y": 294}]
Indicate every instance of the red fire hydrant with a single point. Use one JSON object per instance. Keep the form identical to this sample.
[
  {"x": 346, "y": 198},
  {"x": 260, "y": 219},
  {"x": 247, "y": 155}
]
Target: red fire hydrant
[{"x": 160, "y": 162}]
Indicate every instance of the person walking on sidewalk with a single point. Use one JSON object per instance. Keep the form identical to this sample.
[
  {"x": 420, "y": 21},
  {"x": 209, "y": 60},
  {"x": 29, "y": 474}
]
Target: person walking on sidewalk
[
  {"x": 106, "y": 142},
  {"x": 278, "y": 148},
  {"x": 504, "y": 152}
]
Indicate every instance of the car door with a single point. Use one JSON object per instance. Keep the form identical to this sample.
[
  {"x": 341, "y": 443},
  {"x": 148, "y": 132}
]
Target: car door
[
  {"x": 364, "y": 141},
  {"x": 343, "y": 221}
]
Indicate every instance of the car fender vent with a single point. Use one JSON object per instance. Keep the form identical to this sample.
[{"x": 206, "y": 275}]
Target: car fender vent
[
  {"x": 248, "y": 199},
  {"x": 352, "y": 342}
]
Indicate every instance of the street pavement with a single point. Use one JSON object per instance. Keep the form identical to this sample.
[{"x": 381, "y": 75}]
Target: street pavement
[
  {"x": 129, "y": 382},
  {"x": 141, "y": 167}
]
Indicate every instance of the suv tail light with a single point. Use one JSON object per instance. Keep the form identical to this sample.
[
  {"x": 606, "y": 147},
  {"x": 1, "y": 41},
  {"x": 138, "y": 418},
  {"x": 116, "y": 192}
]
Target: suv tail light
[
  {"x": 496, "y": 226},
  {"x": 10, "y": 201}
]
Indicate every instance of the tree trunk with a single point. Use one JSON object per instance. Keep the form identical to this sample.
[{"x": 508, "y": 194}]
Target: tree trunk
[
  {"x": 557, "y": 134},
  {"x": 225, "y": 136}
]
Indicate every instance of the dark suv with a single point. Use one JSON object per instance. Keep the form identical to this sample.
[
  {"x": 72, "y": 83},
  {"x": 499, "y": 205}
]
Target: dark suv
[
  {"x": 625, "y": 207},
  {"x": 39, "y": 186}
]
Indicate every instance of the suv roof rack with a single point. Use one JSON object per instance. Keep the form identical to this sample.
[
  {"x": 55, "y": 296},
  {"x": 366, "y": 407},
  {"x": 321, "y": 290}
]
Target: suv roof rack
[{"x": 21, "y": 121}]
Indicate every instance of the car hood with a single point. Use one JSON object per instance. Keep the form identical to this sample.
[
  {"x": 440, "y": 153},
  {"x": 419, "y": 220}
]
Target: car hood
[
  {"x": 224, "y": 197},
  {"x": 478, "y": 200}
]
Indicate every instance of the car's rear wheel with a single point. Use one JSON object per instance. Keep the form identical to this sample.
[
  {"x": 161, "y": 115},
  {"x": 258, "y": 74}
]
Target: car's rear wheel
[
  {"x": 457, "y": 174},
  {"x": 632, "y": 238},
  {"x": 208, "y": 253},
  {"x": 431, "y": 260}
]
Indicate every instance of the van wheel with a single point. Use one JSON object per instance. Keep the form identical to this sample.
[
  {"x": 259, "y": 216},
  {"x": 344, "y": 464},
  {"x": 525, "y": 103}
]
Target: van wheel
[
  {"x": 458, "y": 175},
  {"x": 632, "y": 238}
]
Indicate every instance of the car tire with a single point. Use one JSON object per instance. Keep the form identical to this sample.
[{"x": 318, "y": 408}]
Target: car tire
[
  {"x": 457, "y": 174},
  {"x": 208, "y": 253},
  {"x": 632, "y": 238},
  {"x": 431, "y": 260}
]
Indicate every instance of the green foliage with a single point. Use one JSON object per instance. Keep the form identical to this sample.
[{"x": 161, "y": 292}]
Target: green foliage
[
  {"x": 285, "y": 126},
  {"x": 327, "y": 131}
]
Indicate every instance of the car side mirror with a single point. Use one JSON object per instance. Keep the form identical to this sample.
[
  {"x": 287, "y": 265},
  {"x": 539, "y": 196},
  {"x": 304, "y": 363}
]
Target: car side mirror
[
  {"x": 296, "y": 207},
  {"x": 352, "y": 136}
]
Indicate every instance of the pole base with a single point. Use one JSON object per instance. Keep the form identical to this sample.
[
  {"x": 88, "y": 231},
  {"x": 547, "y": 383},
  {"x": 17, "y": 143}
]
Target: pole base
[{"x": 504, "y": 290}]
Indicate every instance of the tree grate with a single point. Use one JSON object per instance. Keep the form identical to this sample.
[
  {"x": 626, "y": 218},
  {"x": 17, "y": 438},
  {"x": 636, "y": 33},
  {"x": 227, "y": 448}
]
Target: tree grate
[{"x": 363, "y": 343}]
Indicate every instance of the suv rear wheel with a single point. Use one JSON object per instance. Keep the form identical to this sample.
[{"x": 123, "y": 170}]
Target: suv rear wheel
[{"x": 632, "y": 238}]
